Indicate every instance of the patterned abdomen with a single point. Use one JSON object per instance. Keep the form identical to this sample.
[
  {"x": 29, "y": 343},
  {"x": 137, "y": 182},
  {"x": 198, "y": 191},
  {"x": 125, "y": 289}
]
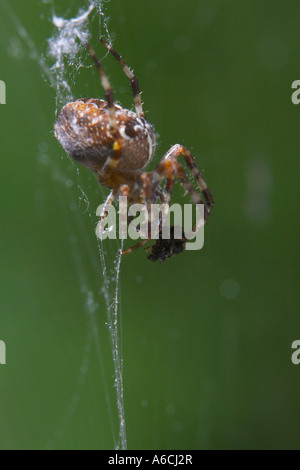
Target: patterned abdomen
[{"x": 84, "y": 131}]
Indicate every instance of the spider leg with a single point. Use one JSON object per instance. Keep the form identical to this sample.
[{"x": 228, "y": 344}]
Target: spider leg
[
  {"x": 105, "y": 209},
  {"x": 148, "y": 199},
  {"x": 106, "y": 86},
  {"x": 190, "y": 161},
  {"x": 170, "y": 165},
  {"x": 168, "y": 188},
  {"x": 132, "y": 78},
  {"x": 163, "y": 249},
  {"x": 164, "y": 195},
  {"x": 113, "y": 161},
  {"x": 135, "y": 247}
]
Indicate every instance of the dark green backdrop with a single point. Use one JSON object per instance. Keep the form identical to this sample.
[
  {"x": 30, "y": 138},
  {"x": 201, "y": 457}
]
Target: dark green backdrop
[{"x": 207, "y": 335}]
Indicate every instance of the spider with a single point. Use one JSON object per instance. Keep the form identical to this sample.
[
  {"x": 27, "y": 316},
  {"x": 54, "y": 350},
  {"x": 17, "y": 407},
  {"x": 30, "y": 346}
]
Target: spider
[{"x": 117, "y": 144}]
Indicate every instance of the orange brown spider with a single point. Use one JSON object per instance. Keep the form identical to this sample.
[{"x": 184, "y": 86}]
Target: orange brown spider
[{"x": 117, "y": 143}]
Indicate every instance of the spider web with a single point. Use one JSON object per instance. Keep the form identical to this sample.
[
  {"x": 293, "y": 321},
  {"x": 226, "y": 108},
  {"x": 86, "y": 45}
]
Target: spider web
[{"x": 65, "y": 53}]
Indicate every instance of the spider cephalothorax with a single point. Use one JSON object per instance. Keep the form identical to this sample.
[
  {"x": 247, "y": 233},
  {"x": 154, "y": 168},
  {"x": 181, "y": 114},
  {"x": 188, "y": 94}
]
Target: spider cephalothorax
[{"x": 117, "y": 143}]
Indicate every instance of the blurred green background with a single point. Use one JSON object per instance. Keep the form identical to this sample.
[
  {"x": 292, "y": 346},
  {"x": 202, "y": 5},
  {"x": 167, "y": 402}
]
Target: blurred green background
[{"x": 206, "y": 336}]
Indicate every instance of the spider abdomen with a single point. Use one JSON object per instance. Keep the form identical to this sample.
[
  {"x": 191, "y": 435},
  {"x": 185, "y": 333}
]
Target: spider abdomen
[{"x": 83, "y": 129}]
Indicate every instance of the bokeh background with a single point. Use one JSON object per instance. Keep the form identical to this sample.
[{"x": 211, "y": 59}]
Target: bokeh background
[{"x": 206, "y": 336}]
